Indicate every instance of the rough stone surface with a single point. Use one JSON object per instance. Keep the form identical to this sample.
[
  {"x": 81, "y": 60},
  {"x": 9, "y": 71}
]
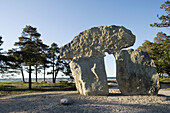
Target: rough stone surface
[
  {"x": 136, "y": 73},
  {"x": 90, "y": 76},
  {"x": 66, "y": 101},
  {"x": 98, "y": 40}
]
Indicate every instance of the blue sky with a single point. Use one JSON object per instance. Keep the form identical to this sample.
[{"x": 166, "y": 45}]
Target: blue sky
[{"x": 60, "y": 20}]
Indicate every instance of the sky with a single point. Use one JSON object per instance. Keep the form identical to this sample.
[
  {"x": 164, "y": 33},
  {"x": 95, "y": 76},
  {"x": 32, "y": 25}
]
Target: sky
[{"x": 60, "y": 21}]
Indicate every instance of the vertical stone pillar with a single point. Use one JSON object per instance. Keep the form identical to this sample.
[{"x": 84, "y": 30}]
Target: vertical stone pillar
[
  {"x": 89, "y": 74},
  {"x": 136, "y": 73}
]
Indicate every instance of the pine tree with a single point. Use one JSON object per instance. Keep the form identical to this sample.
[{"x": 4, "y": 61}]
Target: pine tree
[
  {"x": 17, "y": 62},
  {"x": 67, "y": 70},
  {"x": 2, "y": 58},
  {"x": 165, "y": 19},
  {"x": 29, "y": 48},
  {"x": 45, "y": 62},
  {"x": 160, "y": 49},
  {"x": 53, "y": 53},
  {"x": 59, "y": 66},
  {"x": 5, "y": 61},
  {"x": 42, "y": 48},
  {"x": 1, "y": 42}
]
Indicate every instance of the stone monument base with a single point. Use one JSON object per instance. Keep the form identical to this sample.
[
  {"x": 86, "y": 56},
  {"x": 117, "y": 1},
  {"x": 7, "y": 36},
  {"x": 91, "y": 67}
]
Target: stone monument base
[{"x": 90, "y": 76}]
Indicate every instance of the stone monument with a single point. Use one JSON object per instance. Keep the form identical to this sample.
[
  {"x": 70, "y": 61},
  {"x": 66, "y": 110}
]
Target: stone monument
[{"x": 87, "y": 52}]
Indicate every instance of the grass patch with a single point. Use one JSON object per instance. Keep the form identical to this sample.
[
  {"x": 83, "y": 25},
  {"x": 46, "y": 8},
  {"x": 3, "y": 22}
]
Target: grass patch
[
  {"x": 11, "y": 88},
  {"x": 164, "y": 80}
]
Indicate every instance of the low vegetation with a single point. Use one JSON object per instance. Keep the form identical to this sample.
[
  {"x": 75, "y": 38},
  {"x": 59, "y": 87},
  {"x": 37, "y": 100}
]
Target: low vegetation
[
  {"x": 165, "y": 80},
  {"x": 12, "y": 88}
]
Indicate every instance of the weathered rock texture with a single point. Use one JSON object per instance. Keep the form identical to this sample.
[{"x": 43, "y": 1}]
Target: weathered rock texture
[
  {"x": 66, "y": 101},
  {"x": 90, "y": 76},
  {"x": 98, "y": 40},
  {"x": 136, "y": 73}
]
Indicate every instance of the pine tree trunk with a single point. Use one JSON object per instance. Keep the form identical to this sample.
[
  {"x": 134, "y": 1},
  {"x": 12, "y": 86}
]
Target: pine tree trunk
[
  {"x": 53, "y": 73},
  {"x": 36, "y": 73},
  {"x": 56, "y": 76},
  {"x": 44, "y": 73},
  {"x": 22, "y": 72},
  {"x": 29, "y": 77}
]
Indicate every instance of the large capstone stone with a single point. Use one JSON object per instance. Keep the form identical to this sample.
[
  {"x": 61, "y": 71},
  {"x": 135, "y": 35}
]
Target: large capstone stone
[
  {"x": 89, "y": 74},
  {"x": 98, "y": 40},
  {"x": 136, "y": 73}
]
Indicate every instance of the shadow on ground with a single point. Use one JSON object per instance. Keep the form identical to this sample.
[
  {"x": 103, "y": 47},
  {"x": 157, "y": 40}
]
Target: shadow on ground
[{"x": 87, "y": 104}]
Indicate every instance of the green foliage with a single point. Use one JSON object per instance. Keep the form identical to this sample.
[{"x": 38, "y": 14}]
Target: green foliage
[
  {"x": 164, "y": 80},
  {"x": 29, "y": 45},
  {"x": 159, "y": 51},
  {"x": 67, "y": 70},
  {"x": 5, "y": 62},
  {"x": 165, "y": 19},
  {"x": 1, "y": 43},
  {"x": 56, "y": 63},
  {"x": 2, "y": 59},
  {"x": 29, "y": 49},
  {"x": 31, "y": 52}
]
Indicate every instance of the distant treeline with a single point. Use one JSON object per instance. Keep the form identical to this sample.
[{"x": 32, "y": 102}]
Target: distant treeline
[{"x": 32, "y": 55}]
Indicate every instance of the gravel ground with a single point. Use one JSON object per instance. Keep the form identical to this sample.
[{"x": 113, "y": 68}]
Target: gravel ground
[{"x": 49, "y": 102}]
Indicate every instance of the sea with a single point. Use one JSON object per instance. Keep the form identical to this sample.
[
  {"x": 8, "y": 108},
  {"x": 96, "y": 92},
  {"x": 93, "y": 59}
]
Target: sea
[{"x": 42, "y": 79}]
